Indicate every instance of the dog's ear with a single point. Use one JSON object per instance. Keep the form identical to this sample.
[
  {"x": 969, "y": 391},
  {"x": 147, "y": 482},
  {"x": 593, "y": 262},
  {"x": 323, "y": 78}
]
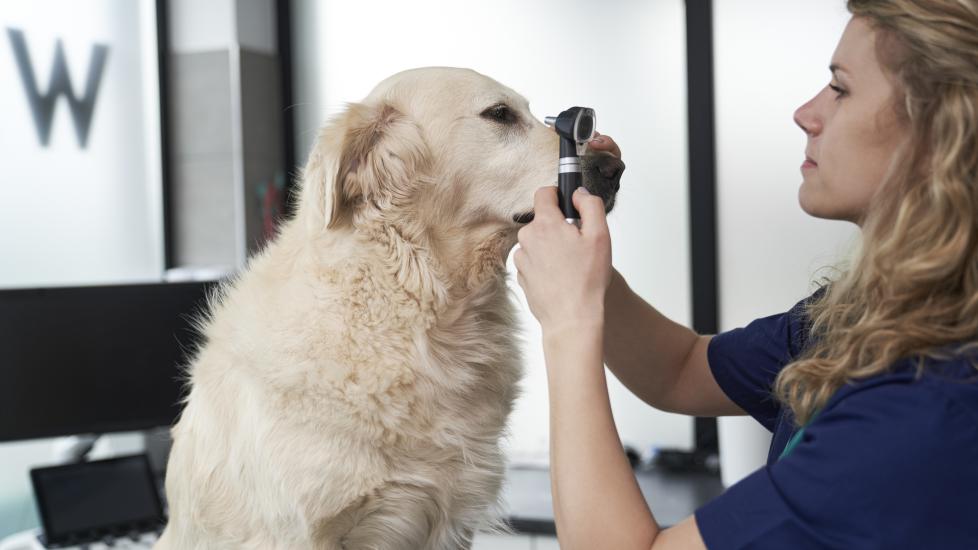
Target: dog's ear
[{"x": 382, "y": 154}]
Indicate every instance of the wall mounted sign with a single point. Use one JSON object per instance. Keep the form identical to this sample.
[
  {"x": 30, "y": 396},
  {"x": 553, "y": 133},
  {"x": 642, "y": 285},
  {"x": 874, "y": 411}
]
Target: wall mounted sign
[{"x": 80, "y": 167}]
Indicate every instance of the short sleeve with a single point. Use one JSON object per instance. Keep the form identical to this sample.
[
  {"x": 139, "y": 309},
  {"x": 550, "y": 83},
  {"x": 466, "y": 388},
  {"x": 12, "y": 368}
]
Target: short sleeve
[
  {"x": 745, "y": 361},
  {"x": 891, "y": 466}
]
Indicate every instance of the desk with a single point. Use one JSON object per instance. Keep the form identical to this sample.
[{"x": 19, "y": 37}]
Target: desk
[
  {"x": 526, "y": 496},
  {"x": 17, "y": 513},
  {"x": 671, "y": 496}
]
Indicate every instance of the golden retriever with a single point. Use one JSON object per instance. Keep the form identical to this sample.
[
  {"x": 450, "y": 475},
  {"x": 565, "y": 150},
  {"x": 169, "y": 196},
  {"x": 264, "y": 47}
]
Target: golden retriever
[{"x": 356, "y": 377}]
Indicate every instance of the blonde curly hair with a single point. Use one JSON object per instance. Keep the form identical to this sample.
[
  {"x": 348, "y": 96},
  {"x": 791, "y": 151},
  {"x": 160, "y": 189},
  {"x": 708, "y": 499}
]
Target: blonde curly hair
[{"x": 911, "y": 290}]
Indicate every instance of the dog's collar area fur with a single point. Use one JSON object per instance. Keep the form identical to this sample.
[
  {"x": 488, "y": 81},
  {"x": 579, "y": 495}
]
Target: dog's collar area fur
[{"x": 437, "y": 286}]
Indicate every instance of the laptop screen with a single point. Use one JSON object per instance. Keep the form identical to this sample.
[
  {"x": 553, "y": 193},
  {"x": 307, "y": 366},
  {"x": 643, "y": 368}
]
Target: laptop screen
[{"x": 89, "y": 500}]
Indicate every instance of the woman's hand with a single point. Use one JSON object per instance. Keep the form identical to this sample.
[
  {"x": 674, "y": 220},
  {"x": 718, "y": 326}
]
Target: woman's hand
[
  {"x": 604, "y": 143},
  {"x": 564, "y": 271}
]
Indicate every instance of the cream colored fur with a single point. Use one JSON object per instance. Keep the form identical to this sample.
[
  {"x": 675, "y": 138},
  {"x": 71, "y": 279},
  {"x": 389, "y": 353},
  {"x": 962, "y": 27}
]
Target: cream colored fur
[{"x": 356, "y": 378}]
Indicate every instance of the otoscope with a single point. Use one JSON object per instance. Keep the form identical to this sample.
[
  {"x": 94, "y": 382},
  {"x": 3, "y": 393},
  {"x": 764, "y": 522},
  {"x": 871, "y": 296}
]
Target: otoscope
[{"x": 575, "y": 126}]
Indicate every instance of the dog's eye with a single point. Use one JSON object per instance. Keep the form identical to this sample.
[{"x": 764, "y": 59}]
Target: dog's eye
[{"x": 500, "y": 113}]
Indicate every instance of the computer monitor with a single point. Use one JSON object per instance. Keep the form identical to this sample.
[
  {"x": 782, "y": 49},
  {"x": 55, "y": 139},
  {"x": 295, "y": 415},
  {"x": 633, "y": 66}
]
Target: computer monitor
[{"x": 94, "y": 359}]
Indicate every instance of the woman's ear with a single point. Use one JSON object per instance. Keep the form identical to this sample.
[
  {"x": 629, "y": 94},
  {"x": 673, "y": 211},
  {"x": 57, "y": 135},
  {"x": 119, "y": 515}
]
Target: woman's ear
[{"x": 381, "y": 155}]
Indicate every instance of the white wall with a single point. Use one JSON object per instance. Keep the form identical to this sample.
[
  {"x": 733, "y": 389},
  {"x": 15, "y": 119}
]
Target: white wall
[
  {"x": 78, "y": 214},
  {"x": 771, "y": 56},
  {"x": 630, "y": 67}
]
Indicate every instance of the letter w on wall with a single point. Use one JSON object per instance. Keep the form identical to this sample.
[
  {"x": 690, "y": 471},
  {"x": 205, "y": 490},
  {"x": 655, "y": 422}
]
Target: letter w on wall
[{"x": 42, "y": 105}]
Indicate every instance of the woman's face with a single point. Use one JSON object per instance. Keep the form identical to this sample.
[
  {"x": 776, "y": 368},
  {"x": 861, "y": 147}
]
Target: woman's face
[{"x": 853, "y": 130}]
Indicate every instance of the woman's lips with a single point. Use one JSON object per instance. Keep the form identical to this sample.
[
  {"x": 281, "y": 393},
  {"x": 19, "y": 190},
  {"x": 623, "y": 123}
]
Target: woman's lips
[{"x": 809, "y": 163}]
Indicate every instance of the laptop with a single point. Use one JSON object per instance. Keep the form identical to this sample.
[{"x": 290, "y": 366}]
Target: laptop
[{"x": 103, "y": 503}]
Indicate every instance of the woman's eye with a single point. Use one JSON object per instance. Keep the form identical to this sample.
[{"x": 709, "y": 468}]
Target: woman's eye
[
  {"x": 500, "y": 113},
  {"x": 839, "y": 92}
]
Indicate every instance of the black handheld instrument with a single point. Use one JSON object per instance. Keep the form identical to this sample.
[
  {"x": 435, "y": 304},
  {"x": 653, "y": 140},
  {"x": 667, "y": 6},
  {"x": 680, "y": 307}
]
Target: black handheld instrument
[{"x": 575, "y": 126}]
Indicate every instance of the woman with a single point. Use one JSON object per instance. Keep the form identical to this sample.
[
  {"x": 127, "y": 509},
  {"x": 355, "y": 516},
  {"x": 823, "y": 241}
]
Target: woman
[{"x": 869, "y": 385}]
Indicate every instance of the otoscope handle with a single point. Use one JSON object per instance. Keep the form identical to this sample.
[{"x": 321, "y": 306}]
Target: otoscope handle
[
  {"x": 568, "y": 178},
  {"x": 567, "y": 183}
]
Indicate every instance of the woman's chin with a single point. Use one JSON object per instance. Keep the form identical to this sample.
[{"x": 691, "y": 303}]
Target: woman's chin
[
  {"x": 810, "y": 203},
  {"x": 817, "y": 206}
]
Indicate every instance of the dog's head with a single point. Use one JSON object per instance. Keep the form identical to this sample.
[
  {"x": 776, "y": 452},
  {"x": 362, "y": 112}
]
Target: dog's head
[{"x": 448, "y": 150}]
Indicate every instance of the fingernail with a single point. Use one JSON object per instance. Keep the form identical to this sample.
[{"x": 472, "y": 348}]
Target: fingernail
[{"x": 583, "y": 190}]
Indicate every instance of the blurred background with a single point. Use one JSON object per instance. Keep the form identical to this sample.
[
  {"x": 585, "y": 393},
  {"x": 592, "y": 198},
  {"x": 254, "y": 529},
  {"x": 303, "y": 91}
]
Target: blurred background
[{"x": 149, "y": 146}]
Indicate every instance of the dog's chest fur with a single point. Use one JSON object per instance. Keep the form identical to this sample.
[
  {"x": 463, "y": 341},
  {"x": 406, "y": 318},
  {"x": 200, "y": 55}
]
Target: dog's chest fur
[
  {"x": 408, "y": 367},
  {"x": 334, "y": 393}
]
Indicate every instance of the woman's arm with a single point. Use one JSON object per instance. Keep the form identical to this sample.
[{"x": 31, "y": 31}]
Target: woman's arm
[
  {"x": 662, "y": 362},
  {"x": 597, "y": 501},
  {"x": 565, "y": 273}
]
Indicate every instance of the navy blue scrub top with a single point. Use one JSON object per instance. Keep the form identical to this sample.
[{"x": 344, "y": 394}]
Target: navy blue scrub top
[{"x": 890, "y": 461}]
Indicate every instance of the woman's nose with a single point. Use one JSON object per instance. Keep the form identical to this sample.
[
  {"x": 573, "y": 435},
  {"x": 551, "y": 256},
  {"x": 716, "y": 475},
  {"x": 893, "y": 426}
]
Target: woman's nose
[{"x": 806, "y": 118}]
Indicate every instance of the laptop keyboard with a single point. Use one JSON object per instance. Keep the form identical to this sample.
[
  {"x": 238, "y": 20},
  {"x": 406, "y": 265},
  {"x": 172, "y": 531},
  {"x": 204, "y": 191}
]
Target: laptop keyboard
[{"x": 136, "y": 541}]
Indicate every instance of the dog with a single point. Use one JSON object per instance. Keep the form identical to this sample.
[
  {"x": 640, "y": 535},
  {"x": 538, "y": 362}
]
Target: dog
[{"x": 354, "y": 380}]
